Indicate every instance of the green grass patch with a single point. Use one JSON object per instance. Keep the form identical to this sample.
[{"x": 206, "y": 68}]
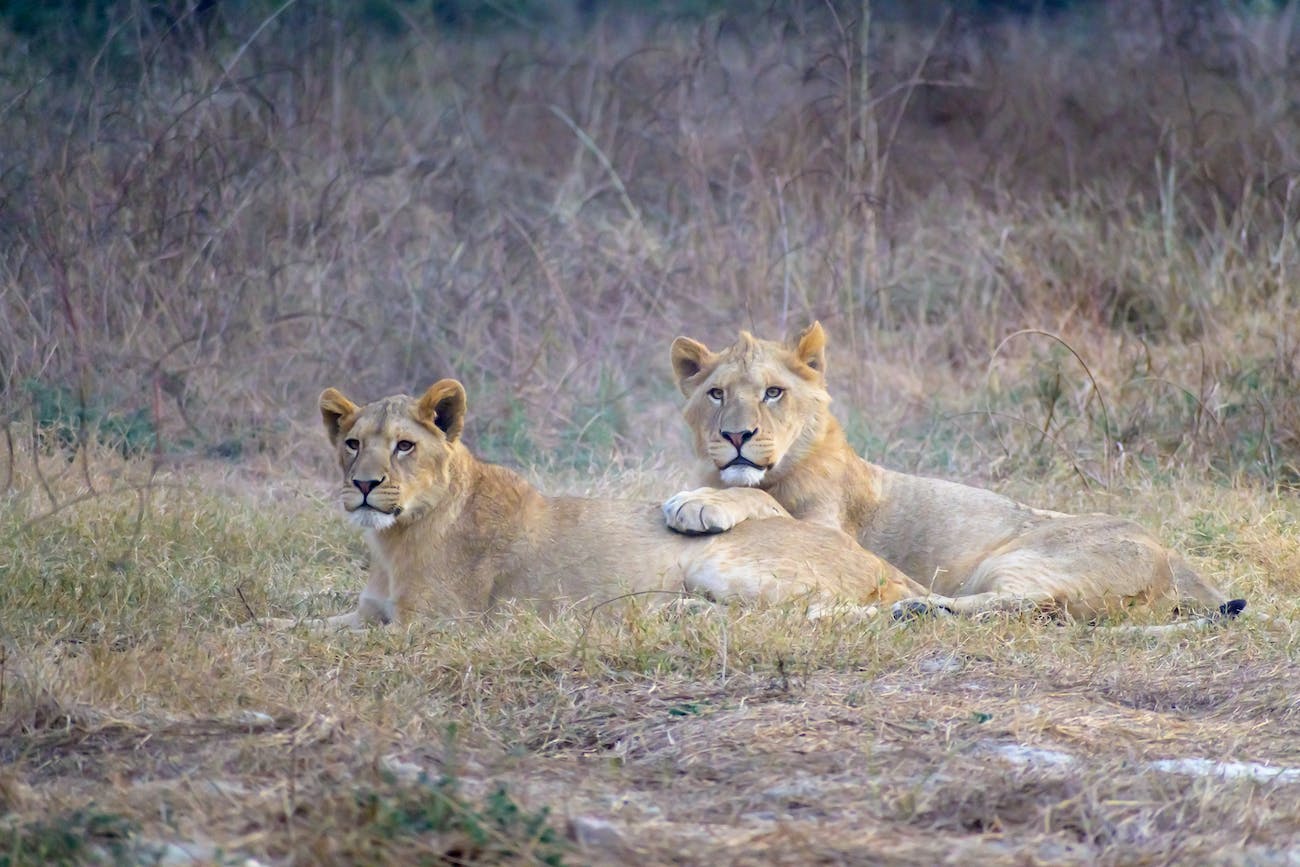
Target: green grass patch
[{"x": 85, "y": 836}]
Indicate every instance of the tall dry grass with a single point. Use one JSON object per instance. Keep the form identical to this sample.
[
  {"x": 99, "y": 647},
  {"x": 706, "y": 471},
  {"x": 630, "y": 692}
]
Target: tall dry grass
[{"x": 199, "y": 232}]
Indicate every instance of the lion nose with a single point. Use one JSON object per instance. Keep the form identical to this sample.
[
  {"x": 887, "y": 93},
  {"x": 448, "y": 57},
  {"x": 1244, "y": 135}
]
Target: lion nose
[
  {"x": 738, "y": 437},
  {"x": 365, "y": 486}
]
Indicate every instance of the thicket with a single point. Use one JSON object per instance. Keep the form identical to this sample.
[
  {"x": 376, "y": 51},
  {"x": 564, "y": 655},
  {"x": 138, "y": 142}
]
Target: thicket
[{"x": 208, "y": 212}]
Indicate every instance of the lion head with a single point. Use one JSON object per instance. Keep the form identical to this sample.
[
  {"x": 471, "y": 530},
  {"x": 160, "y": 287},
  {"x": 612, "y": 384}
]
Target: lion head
[
  {"x": 396, "y": 452},
  {"x": 757, "y": 407}
]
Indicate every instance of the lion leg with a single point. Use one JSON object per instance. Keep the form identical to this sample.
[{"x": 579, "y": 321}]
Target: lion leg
[
  {"x": 1229, "y": 610},
  {"x": 370, "y": 612},
  {"x": 374, "y": 608},
  {"x": 1084, "y": 567},
  {"x": 993, "y": 602},
  {"x": 721, "y": 580},
  {"x": 715, "y": 510}
]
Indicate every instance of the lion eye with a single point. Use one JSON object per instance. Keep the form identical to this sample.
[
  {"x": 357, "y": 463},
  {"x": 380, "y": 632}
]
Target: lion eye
[
  {"x": 773, "y": 392},
  {"x": 715, "y": 394},
  {"x": 352, "y": 445},
  {"x": 404, "y": 446}
]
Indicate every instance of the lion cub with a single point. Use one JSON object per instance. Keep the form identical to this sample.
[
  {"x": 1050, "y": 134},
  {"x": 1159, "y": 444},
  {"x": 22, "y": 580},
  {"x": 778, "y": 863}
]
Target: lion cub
[{"x": 450, "y": 534}]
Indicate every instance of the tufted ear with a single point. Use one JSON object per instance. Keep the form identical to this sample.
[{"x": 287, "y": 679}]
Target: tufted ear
[
  {"x": 689, "y": 358},
  {"x": 443, "y": 406},
  {"x": 810, "y": 347},
  {"x": 334, "y": 407}
]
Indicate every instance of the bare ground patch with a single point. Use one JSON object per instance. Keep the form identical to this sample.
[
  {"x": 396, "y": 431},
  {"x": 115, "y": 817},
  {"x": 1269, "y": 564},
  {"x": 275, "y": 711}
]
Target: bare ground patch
[{"x": 930, "y": 743}]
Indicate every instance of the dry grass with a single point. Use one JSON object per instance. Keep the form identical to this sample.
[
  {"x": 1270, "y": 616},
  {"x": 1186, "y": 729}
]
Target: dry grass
[
  {"x": 1056, "y": 257},
  {"x": 135, "y": 717}
]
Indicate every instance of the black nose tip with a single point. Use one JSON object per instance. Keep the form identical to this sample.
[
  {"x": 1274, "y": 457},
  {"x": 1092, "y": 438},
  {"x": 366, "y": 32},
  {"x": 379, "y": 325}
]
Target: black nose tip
[{"x": 365, "y": 486}]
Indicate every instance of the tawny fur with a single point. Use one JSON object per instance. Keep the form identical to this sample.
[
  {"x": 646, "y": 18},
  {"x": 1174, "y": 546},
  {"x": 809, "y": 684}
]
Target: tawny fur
[
  {"x": 973, "y": 550},
  {"x": 452, "y": 535}
]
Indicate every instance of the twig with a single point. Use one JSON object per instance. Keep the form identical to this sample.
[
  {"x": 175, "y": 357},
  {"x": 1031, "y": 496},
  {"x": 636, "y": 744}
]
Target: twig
[
  {"x": 239, "y": 591},
  {"x": 9, "y": 459}
]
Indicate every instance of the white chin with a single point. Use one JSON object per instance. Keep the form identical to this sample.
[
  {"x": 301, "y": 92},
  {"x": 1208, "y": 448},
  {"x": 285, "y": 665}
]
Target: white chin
[
  {"x": 369, "y": 519},
  {"x": 746, "y": 477}
]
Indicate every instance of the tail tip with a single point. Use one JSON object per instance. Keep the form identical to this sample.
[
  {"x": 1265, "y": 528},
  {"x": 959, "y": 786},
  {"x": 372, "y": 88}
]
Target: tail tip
[{"x": 1232, "y": 608}]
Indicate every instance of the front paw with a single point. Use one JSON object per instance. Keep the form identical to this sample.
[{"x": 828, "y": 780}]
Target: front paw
[
  {"x": 691, "y": 512},
  {"x": 916, "y": 608}
]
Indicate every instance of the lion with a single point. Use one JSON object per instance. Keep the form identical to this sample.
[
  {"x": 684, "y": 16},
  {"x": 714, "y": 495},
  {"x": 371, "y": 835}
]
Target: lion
[
  {"x": 452, "y": 535},
  {"x": 760, "y": 414}
]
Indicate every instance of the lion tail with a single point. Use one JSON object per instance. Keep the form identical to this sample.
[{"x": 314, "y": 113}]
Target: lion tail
[
  {"x": 1197, "y": 595},
  {"x": 1226, "y": 611}
]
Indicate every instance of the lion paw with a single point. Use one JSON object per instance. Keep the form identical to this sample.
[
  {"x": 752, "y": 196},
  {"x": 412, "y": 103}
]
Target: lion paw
[
  {"x": 691, "y": 513},
  {"x": 914, "y": 609}
]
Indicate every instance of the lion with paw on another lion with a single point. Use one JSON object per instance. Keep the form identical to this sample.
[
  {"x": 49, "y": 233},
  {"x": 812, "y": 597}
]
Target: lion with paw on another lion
[
  {"x": 451, "y": 535},
  {"x": 760, "y": 414}
]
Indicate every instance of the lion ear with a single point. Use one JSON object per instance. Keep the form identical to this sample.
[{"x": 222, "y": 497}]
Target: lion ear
[
  {"x": 334, "y": 407},
  {"x": 689, "y": 357},
  {"x": 810, "y": 346},
  {"x": 443, "y": 406}
]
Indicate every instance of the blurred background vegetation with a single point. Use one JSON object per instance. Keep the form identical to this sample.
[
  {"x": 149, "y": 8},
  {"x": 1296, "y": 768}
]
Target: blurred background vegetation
[{"x": 1046, "y": 237}]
